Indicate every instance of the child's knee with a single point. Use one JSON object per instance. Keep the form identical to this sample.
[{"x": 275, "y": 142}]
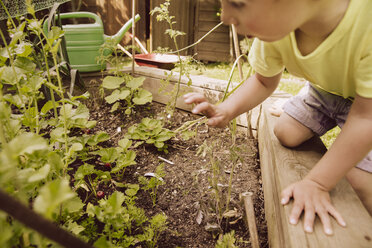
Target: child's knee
[
  {"x": 290, "y": 132},
  {"x": 284, "y": 135}
]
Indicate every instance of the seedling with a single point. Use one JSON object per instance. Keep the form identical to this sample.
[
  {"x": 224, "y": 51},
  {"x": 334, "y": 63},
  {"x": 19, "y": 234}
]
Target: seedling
[
  {"x": 154, "y": 182},
  {"x": 125, "y": 89},
  {"x": 151, "y": 131}
]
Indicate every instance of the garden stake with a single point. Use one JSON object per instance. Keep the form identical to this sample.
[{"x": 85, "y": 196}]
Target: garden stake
[
  {"x": 251, "y": 219},
  {"x": 37, "y": 222},
  {"x": 134, "y": 34}
]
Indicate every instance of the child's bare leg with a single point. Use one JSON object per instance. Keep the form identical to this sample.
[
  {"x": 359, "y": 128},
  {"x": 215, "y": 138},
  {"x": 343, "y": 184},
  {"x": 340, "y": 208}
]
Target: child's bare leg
[
  {"x": 361, "y": 181},
  {"x": 290, "y": 132}
]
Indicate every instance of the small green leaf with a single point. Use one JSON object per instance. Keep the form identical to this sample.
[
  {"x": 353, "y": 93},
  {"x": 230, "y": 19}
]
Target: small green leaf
[
  {"x": 111, "y": 82},
  {"x": 135, "y": 83},
  {"x": 125, "y": 143},
  {"x": 142, "y": 97},
  {"x": 132, "y": 189},
  {"x": 23, "y": 49},
  {"x": 115, "y": 201},
  {"x": 48, "y": 106},
  {"x": 108, "y": 155},
  {"x": 36, "y": 82},
  {"x": 73, "y": 205},
  {"x": 75, "y": 228},
  {"x": 8, "y": 75},
  {"x": 113, "y": 97},
  {"x": 84, "y": 170},
  {"x": 51, "y": 196},
  {"x": 25, "y": 64},
  {"x": 27, "y": 143},
  {"x": 115, "y": 107},
  {"x": 40, "y": 174}
]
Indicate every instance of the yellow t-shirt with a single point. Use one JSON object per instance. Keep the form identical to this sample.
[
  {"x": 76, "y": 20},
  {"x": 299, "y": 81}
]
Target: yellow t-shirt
[{"x": 341, "y": 64}]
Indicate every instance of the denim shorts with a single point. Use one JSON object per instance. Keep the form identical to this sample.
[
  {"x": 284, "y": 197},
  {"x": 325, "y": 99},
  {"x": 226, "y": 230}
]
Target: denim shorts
[{"x": 321, "y": 111}]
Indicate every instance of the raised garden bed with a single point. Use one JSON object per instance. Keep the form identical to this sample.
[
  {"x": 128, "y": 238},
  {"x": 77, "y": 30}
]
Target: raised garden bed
[{"x": 187, "y": 197}]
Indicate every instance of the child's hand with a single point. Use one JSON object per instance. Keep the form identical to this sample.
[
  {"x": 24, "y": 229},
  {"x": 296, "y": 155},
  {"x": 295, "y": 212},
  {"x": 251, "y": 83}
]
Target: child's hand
[
  {"x": 311, "y": 198},
  {"x": 218, "y": 116}
]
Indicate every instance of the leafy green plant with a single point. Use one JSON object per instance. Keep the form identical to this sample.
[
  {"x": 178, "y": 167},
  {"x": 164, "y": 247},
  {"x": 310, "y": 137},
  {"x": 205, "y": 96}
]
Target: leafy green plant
[
  {"x": 127, "y": 225},
  {"x": 151, "y": 131},
  {"x": 131, "y": 92},
  {"x": 154, "y": 182},
  {"x": 226, "y": 240},
  {"x": 118, "y": 157}
]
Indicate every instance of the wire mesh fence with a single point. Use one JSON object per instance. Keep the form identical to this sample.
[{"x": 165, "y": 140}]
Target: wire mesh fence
[{"x": 19, "y": 7}]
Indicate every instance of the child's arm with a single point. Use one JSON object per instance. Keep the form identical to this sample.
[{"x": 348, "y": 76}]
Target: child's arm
[
  {"x": 351, "y": 146},
  {"x": 251, "y": 93}
]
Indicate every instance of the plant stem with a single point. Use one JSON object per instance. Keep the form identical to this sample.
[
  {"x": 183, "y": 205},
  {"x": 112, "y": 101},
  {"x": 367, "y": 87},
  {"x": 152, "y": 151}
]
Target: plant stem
[
  {"x": 47, "y": 67},
  {"x": 190, "y": 124},
  {"x": 198, "y": 41},
  {"x": 2, "y": 134},
  {"x": 63, "y": 107}
]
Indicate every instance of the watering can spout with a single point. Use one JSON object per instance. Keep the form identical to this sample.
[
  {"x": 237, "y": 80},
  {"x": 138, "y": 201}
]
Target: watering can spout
[{"x": 116, "y": 38}]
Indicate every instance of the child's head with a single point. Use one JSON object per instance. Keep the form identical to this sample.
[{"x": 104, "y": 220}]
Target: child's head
[{"x": 268, "y": 20}]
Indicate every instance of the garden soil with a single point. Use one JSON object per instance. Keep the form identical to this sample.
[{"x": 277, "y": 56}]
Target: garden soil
[{"x": 187, "y": 198}]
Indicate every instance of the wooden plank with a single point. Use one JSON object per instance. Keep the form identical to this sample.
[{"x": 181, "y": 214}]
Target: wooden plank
[
  {"x": 213, "y": 46},
  {"x": 213, "y": 56},
  {"x": 208, "y": 25},
  {"x": 214, "y": 37},
  {"x": 280, "y": 167},
  {"x": 208, "y": 16},
  {"x": 212, "y": 5}
]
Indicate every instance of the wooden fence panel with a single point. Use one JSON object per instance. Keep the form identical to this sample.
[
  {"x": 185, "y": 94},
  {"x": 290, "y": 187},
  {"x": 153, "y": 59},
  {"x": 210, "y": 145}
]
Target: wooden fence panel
[
  {"x": 216, "y": 46},
  {"x": 184, "y": 12}
]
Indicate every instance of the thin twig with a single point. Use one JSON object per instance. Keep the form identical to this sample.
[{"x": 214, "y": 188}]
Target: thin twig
[{"x": 166, "y": 160}]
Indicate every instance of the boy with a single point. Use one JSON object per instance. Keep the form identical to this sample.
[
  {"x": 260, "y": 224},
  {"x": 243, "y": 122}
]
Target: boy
[{"x": 329, "y": 43}]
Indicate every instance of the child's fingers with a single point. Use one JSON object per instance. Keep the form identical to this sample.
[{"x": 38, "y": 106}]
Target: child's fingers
[
  {"x": 194, "y": 98},
  {"x": 286, "y": 195},
  {"x": 309, "y": 219},
  {"x": 296, "y": 213},
  {"x": 204, "y": 108},
  {"x": 326, "y": 221},
  {"x": 332, "y": 211}
]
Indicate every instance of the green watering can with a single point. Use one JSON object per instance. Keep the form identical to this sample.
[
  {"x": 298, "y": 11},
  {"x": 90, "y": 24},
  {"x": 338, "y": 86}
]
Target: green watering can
[{"x": 83, "y": 41}]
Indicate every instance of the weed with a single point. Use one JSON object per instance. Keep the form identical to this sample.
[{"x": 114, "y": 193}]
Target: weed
[{"x": 153, "y": 183}]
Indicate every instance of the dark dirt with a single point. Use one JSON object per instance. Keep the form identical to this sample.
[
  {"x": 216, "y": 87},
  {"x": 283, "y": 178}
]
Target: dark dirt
[{"x": 186, "y": 198}]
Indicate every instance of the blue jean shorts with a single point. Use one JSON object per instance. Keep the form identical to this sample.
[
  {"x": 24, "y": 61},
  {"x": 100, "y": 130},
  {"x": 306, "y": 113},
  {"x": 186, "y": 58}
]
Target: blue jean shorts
[{"x": 321, "y": 111}]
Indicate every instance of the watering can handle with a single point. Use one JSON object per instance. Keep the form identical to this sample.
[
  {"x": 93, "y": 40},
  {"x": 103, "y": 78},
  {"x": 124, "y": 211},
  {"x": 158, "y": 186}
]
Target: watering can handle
[{"x": 81, "y": 14}]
